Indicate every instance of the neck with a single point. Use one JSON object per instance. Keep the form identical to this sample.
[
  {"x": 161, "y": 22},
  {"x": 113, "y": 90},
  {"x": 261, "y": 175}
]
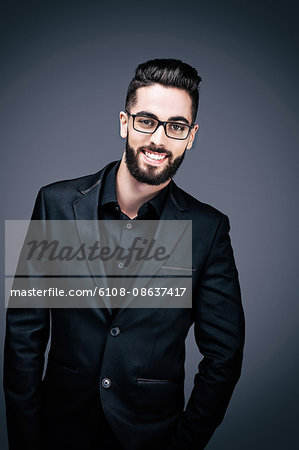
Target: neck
[{"x": 130, "y": 193}]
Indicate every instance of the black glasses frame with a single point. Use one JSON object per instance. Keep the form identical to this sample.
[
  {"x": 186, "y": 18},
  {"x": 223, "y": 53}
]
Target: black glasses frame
[{"x": 160, "y": 122}]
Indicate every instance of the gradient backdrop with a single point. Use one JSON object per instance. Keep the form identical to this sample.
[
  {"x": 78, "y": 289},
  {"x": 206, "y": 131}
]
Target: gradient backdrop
[{"x": 65, "y": 68}]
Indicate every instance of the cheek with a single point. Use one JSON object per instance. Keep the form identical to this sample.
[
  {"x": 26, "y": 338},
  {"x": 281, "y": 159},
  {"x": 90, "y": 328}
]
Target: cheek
[
  {"x": 178, "y": 149},
  {"x": 138, "y": 140}
]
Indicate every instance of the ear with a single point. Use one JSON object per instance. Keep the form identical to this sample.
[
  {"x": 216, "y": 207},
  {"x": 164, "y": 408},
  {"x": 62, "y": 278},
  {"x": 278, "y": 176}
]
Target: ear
[
  {"x": 123, "y": 121},
  {"x": 192, "y": 136}
]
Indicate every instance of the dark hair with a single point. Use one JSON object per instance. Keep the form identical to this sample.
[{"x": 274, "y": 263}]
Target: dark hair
[{"x": 168, "y": 72}]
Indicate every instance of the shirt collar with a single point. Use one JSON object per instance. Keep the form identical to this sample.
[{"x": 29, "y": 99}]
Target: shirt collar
[{"x": 108, "y": 192}]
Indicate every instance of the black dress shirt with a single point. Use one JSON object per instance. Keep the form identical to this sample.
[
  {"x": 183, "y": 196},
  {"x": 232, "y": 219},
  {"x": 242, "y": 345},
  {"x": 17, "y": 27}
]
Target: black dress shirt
[
  {"x": 109, "y": 209},
  {"x": 124, "y": 232}
]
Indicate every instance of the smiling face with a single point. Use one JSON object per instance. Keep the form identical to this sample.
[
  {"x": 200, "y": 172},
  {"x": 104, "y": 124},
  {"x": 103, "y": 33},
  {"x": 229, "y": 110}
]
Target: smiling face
[{"x": 154, "y": 158}]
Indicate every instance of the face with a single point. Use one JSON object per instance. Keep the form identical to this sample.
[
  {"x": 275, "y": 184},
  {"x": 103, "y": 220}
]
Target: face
[{"x": 142, "y": 150}]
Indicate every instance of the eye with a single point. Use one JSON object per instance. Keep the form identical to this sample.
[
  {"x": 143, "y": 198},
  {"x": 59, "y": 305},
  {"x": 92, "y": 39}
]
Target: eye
[
  {"x": 177, "y": 127},
  {"x": 145, "y": 121}
]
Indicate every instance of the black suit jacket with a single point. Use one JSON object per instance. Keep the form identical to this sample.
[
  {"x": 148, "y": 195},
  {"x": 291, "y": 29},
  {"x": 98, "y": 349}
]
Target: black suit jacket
[{"x": 144, "y": 404}]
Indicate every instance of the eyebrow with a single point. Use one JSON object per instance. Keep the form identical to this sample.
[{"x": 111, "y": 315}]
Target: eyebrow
[{"x": 170, "y": 119}]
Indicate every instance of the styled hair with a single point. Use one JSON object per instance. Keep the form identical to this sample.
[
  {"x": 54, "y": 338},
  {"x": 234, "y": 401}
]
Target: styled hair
[{"x": 167, "y": 72}]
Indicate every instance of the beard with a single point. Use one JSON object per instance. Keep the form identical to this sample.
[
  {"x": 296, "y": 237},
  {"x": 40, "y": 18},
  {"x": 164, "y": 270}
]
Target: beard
[{"x": 151, "y": 175}]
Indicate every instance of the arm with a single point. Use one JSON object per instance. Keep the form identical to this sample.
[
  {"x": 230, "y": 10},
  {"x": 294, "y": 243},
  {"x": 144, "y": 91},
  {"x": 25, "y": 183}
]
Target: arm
[
  {"x": 219, "y": 334},
  {"x": 27, "y": 334}
]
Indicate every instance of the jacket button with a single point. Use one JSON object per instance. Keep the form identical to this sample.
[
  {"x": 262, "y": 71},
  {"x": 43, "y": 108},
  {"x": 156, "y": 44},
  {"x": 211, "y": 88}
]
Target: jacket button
[
  {"x": 115, "y": 331},
  {"x": 106, "y": 383}
]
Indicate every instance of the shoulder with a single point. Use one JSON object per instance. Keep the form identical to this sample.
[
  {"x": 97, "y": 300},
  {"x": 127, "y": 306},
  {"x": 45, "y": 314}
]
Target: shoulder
[
  {"x": 66, "y": 186},
  {"x": 209, "y": 224},
  {"x": 75, "y": 186},
  {"x": 197, "y": 209},
  {"x": 56, "y": 200}
]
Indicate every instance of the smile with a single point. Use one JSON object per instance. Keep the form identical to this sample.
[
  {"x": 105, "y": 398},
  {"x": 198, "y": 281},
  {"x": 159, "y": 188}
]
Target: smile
[{"x": 153, "y": 157}]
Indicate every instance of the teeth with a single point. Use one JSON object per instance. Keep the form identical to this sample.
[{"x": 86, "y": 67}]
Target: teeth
[{"x": 153, "y": 156}]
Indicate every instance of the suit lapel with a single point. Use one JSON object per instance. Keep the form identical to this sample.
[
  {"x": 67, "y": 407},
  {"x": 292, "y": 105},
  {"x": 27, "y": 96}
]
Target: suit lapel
[{"x": 86, "y": 215}]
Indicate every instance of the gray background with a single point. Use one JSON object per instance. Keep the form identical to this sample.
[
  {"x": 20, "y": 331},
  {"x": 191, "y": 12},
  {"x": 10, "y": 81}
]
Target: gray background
[{"x": 65, "y": 70}]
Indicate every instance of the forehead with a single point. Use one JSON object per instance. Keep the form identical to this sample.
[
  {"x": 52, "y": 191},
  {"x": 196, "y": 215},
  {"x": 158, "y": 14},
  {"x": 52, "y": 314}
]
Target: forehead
[{"x": 163, "y": 101}]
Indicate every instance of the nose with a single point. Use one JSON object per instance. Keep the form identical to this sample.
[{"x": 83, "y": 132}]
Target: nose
[{"x": 159, "y": 137}]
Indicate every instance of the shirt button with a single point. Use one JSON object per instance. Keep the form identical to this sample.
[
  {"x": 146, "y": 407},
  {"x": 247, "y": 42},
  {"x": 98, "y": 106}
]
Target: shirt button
[
  {"x": 120, "y": 265},
  {"x": 106, "y": 383},
  {"x": 115, "y": 331},
  {"x": 129, "y": 226}
]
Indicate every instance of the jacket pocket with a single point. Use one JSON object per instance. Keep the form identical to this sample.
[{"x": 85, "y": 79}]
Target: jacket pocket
[
  {"x": 62, "y": 365},
  {"x": 154, "y": 381}
]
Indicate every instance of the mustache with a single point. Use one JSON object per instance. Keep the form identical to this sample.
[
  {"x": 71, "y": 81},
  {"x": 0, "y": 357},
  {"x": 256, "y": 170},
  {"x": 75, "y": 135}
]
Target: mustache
[{"x": 154, "y": 148}]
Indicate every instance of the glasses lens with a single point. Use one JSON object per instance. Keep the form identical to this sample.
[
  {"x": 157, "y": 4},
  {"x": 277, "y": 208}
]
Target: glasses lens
[
  {"x": 177, "y": 130},
  {"x": 145, "y": 124}
]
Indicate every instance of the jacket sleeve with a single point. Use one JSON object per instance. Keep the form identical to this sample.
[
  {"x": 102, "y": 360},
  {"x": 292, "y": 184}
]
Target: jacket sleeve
[
  {"x": 219, "y": 334},
  {"x": 27, "y": 334}
]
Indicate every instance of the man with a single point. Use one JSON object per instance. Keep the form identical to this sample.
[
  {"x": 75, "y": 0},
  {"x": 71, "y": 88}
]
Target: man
[{"x": 115, "y": 376}]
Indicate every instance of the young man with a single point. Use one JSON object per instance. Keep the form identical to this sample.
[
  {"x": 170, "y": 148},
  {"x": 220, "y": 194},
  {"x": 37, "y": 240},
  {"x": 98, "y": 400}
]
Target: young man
[{"x": 115, "y": 376}]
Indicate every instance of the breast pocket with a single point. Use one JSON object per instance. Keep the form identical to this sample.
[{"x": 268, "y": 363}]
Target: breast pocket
[{"x": 173, "y": 269}]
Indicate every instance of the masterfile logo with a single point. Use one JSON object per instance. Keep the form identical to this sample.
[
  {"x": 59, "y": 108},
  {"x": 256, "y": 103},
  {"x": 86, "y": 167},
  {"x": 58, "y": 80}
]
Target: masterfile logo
[{"x": 99, "y": 264}]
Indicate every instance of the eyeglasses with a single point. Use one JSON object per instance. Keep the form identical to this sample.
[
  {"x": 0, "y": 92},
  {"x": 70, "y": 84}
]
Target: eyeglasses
[{"x": 148, "y": 125}]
